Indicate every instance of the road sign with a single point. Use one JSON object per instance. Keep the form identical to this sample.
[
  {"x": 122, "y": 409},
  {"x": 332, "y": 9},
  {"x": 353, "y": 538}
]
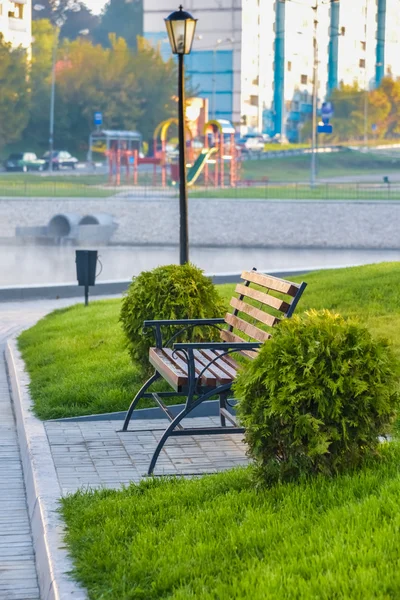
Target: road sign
[
  {"x": 98, "y": 118},
  {"x": 325, "y": 128},
  {"x": 327, "y": 110}
]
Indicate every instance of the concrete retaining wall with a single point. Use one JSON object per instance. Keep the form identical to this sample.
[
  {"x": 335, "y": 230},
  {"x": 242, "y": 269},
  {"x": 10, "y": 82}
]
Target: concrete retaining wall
[{"x": 250, "y": 223}]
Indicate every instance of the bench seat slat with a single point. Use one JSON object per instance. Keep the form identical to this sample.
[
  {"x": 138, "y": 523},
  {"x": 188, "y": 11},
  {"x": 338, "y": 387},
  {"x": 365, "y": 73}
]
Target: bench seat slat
[
  {"x": 247, "y": 328},
  {"x": 229, "y": 366},
  {"x": 271, "y": 283},
  {"x": 262, "y": 297},
  {"x": 167, "y": 368},
  {"x": 254, "y": 312},
  {"x": 214, "y": 369},
  {"x": 175, "y": 369}
]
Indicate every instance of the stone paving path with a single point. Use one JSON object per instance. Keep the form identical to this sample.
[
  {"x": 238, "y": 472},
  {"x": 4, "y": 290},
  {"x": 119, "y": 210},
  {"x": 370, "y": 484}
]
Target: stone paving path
[
  {"x": 18, "y": 580},
  {"x": 97, "y": 454}
]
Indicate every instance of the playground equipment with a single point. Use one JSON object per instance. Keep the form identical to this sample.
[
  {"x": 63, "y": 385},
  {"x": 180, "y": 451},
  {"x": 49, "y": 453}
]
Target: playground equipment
[
  {"x": 162, "y": 131},
  {"x": 219, "y": 147},
  {"x": 122, "y": 149},
  {"x": 222, "y": 134}
]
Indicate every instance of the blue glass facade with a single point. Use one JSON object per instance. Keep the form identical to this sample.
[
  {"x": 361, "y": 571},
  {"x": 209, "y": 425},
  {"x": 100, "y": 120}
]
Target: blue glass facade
[{"x": 203, "y": 66}]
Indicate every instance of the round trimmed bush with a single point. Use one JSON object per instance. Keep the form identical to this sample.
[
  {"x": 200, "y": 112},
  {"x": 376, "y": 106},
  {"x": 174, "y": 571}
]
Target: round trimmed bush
[
  {"x": 168, "y": 292},
  {"x": 317, "y": 397}
]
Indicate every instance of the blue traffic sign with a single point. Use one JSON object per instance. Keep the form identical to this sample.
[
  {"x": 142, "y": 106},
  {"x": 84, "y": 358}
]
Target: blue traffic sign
[
  {"x": 325, "y": 128},
  {"x": 327, "y": 110},
  {"x": 98, "y": 118}
]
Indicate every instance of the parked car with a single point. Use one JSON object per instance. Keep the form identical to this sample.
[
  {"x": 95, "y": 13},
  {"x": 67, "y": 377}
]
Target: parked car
[
  {"x": 24, "y": 161},
  {"x": 251, "y": 143},
  {"x": 279, "y": 139},
  {"x": 61, "y": 159}
]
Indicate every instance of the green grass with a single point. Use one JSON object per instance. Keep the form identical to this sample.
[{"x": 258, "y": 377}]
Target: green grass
[
  {"x": 29, "y": 185},
  {"x": 218, "y": 538},
  {"x": 78, "y": 363},
  {"x": 329, "y": 191},
  {"x": 337, "y": 164}
]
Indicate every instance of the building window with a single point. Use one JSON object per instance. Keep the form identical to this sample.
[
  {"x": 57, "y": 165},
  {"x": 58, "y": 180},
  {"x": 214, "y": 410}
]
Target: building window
[
  {"x": 362, "y": 63},
  {"x": 17, "y": 10},
  {"x": 304, "y": 79},
  {"x": 363, "y": 46},
  {"x": 289, "y": 65}
]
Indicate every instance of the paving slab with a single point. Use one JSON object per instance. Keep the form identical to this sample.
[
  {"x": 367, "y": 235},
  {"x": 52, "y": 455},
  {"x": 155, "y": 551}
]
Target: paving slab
[{"x": 18, "y": 579}]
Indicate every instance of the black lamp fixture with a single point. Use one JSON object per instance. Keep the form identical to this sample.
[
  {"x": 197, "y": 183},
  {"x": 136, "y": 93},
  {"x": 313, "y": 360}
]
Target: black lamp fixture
[{"x": 181, "y": 27}]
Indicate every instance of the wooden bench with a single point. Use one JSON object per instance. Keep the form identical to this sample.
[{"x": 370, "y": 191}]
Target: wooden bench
[{"x": 202, "y": 370}]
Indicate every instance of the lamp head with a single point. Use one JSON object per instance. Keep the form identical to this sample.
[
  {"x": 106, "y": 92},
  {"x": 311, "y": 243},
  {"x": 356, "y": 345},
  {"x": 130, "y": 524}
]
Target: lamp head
[{"x": 181, "y": 27}]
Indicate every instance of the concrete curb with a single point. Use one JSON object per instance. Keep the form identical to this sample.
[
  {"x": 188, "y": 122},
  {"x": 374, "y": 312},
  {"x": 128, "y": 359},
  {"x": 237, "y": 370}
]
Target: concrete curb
[{"x": 42, "y": 490}]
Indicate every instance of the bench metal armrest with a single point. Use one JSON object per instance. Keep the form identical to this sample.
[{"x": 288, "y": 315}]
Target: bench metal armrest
[
  {"x": 182, "y": 323},
  {"x": 217, "y": 345}
]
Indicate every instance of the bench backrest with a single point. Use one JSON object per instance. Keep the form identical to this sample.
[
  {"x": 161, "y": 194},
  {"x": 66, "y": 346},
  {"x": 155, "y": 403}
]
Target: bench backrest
[{"x": 257, "y": 307}]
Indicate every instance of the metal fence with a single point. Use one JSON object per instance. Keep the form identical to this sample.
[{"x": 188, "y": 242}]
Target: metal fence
[{"x": 249, "y": 190}]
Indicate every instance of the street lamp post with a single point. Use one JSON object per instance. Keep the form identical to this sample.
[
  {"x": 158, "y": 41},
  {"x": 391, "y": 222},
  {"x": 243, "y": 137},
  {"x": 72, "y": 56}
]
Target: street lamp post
[
  {"x": 57, "y": 22},
  {"x": 181, "y": 27}
]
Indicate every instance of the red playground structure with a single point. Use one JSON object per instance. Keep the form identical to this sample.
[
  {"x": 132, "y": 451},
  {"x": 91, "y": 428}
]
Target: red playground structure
[{"x": 217, "y": 163}]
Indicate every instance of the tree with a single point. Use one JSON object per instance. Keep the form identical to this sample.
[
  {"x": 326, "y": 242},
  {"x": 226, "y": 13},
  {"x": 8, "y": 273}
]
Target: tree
[
  {"x": 45, "y": 36},
  {"x": 14, "y": 92},
  {"x": 77, "y": 21},
  {"x": 157, "y": 82},
  {"x": 124, "y": 18}
]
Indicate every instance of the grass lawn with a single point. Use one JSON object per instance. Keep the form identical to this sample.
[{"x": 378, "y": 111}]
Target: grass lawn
[
  {"x": 295, "y": 191},
  {"x": 337, "y": 164},
  {"x": 28, "y": 185},
  {"x": 78, "y": 363},
  {"x": 217, "y": 538}
]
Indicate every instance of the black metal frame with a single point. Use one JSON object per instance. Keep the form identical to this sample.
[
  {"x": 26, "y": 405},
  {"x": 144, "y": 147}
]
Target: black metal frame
[{"x": 195, "y": 392}]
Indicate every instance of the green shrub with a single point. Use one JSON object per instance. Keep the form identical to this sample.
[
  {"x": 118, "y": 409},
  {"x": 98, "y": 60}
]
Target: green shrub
[
  {"x": 317, "y": 397},
  {"x": 168, "y": 292}
]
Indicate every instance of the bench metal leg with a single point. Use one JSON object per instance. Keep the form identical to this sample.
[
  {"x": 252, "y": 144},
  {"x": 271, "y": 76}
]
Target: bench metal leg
[
  {"x": 190, "y": 405},
  {"x": 138, "y": 397},
  {"x": 222, "y": 405}
]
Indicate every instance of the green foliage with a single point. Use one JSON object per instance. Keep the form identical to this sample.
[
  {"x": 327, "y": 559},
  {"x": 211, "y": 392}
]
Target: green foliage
[
  {"x": 123, "y": 18},
  {"x": 37, "y": 130},
  {"x": 14, "y": 95},
  {"x": 317, "y": 397},
  {"x": 217, "y": 538},
  {"x": 168, "y": 292}
]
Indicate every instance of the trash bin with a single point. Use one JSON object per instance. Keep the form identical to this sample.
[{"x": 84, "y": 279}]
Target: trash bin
[{"x": 86, "y": 264}]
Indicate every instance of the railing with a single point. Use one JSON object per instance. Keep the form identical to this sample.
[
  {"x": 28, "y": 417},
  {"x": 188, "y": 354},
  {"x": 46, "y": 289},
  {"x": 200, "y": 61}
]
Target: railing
[{"x": 52, "y": 188}]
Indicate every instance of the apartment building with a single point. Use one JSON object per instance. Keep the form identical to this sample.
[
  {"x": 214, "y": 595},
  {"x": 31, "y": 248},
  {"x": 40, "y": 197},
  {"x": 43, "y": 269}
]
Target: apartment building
[
  {"x": 254, "y": 59},
  {"x": 16, "y": 22}
]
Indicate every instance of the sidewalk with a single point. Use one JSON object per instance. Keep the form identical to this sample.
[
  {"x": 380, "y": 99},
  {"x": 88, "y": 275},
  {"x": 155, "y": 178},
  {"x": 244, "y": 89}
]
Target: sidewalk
[{"x": 18, "y": 577}]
